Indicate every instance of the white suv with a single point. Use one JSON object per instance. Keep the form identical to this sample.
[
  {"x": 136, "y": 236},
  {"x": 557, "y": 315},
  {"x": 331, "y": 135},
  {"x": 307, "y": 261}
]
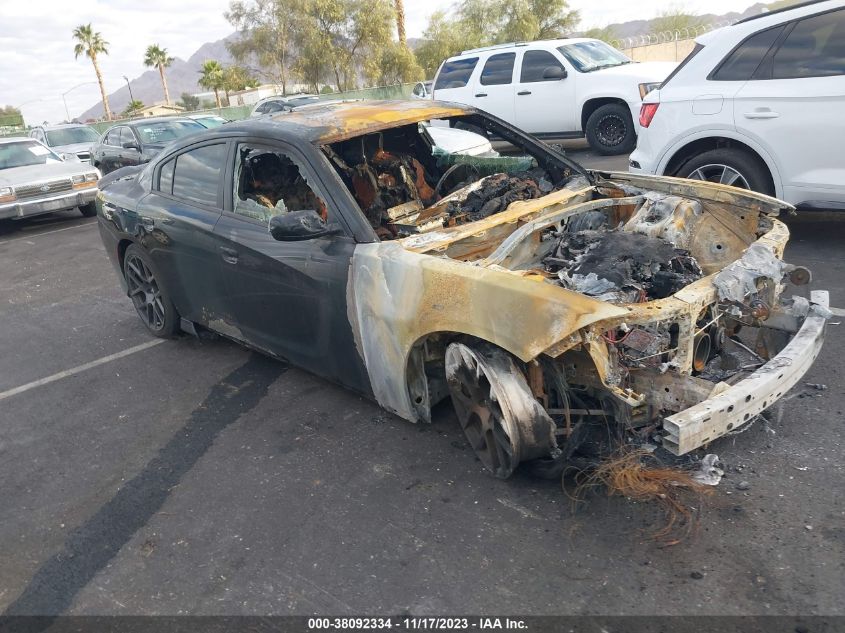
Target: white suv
[
  {"x": 555, "y": 88},
  {"x": 759, "y": 105}
]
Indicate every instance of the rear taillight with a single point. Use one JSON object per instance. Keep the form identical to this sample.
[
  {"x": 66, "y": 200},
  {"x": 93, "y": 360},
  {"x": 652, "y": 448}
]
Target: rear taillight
[{"x": 647, "y": 112}]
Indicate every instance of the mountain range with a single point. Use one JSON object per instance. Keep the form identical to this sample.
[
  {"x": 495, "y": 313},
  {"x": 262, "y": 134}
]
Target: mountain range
[{"x": 182, "y": 75}]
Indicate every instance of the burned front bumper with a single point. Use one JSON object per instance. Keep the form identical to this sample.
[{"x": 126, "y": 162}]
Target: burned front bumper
[
  {"x": 50, "y": 204},
  {"x": 740, "y": 403}
]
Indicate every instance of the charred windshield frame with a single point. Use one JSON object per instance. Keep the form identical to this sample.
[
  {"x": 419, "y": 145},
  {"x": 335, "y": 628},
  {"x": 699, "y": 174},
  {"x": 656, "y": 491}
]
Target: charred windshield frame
[{"x": 579, "y": 54}]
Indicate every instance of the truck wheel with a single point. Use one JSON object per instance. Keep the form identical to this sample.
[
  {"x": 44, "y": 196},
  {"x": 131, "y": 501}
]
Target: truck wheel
[
  {"x": 88, "y": 210},
  {"x": 610, "y": 130},
  {"x": 728, "y": 166}
]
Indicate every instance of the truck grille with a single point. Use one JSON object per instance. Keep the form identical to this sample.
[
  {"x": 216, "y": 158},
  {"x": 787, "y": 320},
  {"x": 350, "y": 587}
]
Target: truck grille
[{"x": 43, "y": 189}]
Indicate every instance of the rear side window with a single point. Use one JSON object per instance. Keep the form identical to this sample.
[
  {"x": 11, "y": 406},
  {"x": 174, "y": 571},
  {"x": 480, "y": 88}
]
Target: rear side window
[
  {"x": 198, "y": 173},
  {"x": 745, "y": 58},
  {"x": 455, "y": 74},
  {"x": 498, "y": 70},
  {"x": 814, "y": 48},
  {"x": 535, "y": 63},
  {"x": 165, "y": 177}
]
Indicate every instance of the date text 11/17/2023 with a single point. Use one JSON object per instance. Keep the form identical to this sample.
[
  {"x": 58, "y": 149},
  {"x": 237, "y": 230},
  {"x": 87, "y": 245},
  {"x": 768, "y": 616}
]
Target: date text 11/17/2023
[{"x": 421, "y": 623}]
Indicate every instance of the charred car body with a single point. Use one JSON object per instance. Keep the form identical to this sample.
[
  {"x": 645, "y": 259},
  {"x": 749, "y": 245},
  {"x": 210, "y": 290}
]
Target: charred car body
[{"x": 565, "y": 312}]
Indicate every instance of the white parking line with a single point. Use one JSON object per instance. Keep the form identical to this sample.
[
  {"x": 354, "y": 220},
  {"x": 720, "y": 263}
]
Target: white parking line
[
  {"x": 67, "y": 228},
  {"x": 79, "y": 369}
]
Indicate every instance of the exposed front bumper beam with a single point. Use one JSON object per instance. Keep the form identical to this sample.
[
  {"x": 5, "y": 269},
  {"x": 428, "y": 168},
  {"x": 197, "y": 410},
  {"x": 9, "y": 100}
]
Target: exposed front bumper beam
[{"x": 739, "y": 403}]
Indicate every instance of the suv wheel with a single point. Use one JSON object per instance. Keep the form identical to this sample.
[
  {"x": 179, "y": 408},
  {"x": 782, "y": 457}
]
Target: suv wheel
[
  {"x": 728, "y": 166},
  {"x": 610, "y": 130}
]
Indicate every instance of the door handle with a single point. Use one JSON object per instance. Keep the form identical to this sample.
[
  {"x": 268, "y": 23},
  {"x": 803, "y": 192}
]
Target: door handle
[
  {"x": 481, "y": 94},
  {"x": 762, "y": 114},
  {"x": 524, "y": 92},
  {"x": 229, "y": 255}
]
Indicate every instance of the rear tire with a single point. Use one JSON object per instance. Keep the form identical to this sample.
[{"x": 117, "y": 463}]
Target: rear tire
[
  {"x": 88, "y": 210},
  {"x": 610, "y": 130},
  {"x": 730, "y": 166},
  {"x": 151, "y": 300}
]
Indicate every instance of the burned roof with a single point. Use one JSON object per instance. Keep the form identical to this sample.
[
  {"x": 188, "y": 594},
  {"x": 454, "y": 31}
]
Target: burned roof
[{"x": 338, "y": 121}]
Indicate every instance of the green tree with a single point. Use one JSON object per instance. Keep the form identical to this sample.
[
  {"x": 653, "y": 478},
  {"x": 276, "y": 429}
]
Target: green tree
[
  {"x": 349, "y": 30},
  {"x": 189, "y": 102},
  {"x": 157, "y": 57},
  {"x": 393, "y": 64},
  {"x": 211, "y": 78},
  {"x": 132, "y": 108},
  {"x": 442, "y": 38},
  {"x": 477, "y": 23},
  {"x": 605, "y": 34},
  {"x": 267, "y": 31},
  {"x": 9, "y": 110},
  {"x": 91, "y": 44}
]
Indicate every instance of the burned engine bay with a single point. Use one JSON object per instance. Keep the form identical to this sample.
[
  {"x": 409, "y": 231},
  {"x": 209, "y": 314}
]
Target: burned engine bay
[{"x": 405, "y": 184}]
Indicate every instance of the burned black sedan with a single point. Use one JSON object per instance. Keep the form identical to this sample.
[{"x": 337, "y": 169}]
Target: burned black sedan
[{"x": 566, "y": 313}]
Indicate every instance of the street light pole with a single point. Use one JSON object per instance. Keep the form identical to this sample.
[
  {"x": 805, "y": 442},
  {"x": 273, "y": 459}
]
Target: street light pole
[
  {"x": 64, "y": 94},
  {"x": 128, "y": 85}
]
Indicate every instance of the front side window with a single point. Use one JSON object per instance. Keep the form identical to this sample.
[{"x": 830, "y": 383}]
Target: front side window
[
  {"x": 498, "y": 70},
  {"x": 126, "y": 136},
  {"x": 814, "y": 48},
  {"x": 198, "y": 172},
  {"x": 535, "y": 65},
  {"x": 456, "y": 73},
  {"x": 113, "y": 137},
  {"x": 741, "y": 64},
  {"x": 268, "y": 182},
  {"x": 593, "y": 55}
]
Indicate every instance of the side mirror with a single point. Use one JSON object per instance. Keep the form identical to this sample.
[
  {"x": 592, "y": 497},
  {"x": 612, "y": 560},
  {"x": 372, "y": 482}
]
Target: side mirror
[
  {"x": 295, "y": 226},
  {"x": 131, "y": 145},
  {"x": 554, "y": 73}
]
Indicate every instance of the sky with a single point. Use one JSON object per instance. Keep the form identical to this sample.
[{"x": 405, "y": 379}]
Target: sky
[{"x": 38, "y": 72}]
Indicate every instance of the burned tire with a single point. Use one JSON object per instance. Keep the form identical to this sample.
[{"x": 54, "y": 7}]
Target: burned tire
[
  {"x": 501, "y": 419},
  {"x": 151, "y": 301},
  {"x": 610, "y": 130},
  {"x": 729, "y": 166},
  {"x": 88, "y": 210}
]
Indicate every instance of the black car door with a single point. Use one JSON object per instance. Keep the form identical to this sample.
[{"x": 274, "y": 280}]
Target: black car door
[
  {"x": 287, "y": 297},
  {"x": 177, "y": 219},
  {"x": 109, "y": 149}
]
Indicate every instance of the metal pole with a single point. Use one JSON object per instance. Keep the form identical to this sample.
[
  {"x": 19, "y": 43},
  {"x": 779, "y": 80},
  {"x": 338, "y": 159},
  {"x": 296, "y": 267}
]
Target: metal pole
[{"x": 131, "y": 98}]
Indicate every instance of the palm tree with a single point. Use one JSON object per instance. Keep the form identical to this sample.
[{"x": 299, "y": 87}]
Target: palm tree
[
  {"x": 212, "y": 78},
  {"x": 157, "y": 57},
  {"x": 399, "y": 6},
  {"x": 133, "y": 107},
  {"x": 92, "y": 44}
]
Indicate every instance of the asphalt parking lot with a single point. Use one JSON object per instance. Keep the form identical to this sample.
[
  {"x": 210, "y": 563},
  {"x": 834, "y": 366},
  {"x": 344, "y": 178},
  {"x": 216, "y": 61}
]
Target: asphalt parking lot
[{"x": 196, "y": 477}]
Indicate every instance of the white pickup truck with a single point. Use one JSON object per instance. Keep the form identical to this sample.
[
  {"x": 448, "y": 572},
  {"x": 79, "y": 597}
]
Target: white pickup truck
[{"x": 556, "y": 89}]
